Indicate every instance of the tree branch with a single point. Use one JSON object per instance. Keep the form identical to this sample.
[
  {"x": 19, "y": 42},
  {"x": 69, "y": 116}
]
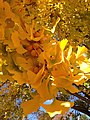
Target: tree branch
[
  {"x": 81, "y": 90},
  {"x": 80, "y": 97},
  {"x": 81, "y": 109}
]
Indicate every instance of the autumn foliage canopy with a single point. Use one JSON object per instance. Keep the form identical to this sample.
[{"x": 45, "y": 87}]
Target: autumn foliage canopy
[{"x": 31, "y": 54}]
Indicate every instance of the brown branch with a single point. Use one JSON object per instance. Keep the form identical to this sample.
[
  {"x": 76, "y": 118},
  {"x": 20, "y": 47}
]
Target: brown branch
[
  {"x": 80, "y": 97},
  {"x": 81, "y": 109},
  {"x": 86, "y": 95},
  {"x": 82, "y": 90}
]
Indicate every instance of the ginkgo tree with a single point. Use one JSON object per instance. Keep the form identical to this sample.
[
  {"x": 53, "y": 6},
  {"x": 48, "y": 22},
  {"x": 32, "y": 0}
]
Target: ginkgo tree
[{"x": 31, "y": 54}]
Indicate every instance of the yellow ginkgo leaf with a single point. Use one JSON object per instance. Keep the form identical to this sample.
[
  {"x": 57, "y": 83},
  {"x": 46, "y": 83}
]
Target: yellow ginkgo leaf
[
  {"x": 65, "y": 82},
  {"x": 3, "y": 78},
  {"x": 59, "y": 106},
  {"x": 18, "y": 76},
  {"x": 15, "y": 39},
  {"x": 38, "y": 78},
  {"x": 80, "y": 59},
  {"x": 62, "y": 82},
  {"x": 1, "y": 4},
  {"x": 31, "y": 105},
  {"x": 1, "y": 32},
  {"x": 72, "y": 89},
  {"x": 79, "y": 82},
  {"x": 35, "y": 80},
  {"x": 55, "y": 106},
  {"x": 52, "y": 114},
  {"x": 61, "y": 69},
  {"x": 22, "y": 34},
  {"x": 31, "y": 76},
  {"x": 85, "y": 67},
  {"x": 20, "y": 50},
  {"x": 69, "y": 53},
  {"x": 52, "y": 53},
  {"x": 8, "y": 12},
  {"x": 80, "y": 51},
  {"x": 67, "y": 104},
  {"x": 78, "y": 79},
  {"x": 16, "y": 42},
  {"x": 31, "y": 30},
  {"x": 53, "y": 90},
  {"x": 87, "y": 75},
  {"x": 54, "y": 27},
  {"x": 43, "y": 90},
  {"x": 41, "y": 58},
  {"x": 38, "y": 38},
  {"x": 72, "y": 59},
  {"x": 63, "y": 44},
  {"x": 21, "y": 61}
]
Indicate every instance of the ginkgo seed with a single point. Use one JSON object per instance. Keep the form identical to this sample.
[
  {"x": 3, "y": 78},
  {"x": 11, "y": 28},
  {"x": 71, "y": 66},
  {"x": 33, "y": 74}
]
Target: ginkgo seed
[
  {"x": 35, "y": 70},
  {"x": 35, "y": 45},
  {"x": 36, "y": 34},
  {"x": 29, "y": 48},
  {"x": 34, "y": 53}
]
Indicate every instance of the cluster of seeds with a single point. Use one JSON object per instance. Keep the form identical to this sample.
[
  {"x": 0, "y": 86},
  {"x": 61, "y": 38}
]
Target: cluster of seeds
[{"x": 34, "y": 49}]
